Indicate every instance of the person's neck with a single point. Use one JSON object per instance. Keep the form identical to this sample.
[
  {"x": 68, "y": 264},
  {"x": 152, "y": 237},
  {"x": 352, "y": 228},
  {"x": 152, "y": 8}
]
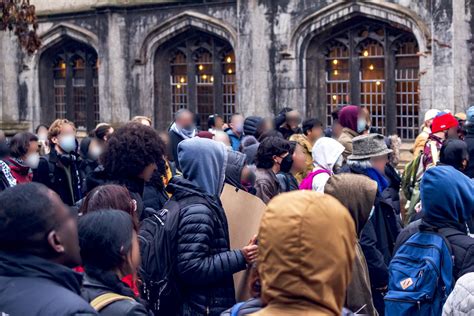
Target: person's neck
[
  {"x": 235, "y": 132},
  {"x": 59, "y": 150},
  {"x": 275, "y": 168}
]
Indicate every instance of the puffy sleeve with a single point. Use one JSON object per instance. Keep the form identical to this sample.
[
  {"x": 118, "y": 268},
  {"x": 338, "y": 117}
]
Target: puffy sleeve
[{"x": 196, "y": 264}]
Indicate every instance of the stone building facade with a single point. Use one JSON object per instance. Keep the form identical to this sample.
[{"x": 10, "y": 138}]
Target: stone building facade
[{"x": 109, "y": 60}]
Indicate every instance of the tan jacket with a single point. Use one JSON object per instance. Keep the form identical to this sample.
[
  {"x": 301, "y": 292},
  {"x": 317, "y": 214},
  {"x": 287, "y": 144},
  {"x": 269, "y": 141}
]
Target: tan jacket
[
  {"x": 306, "y": 253},
  {"x": 307, "y": 148},
  {"x": 357, "y": 193},
  {"x": 346, "y": 140},
  {"x": 420, "y": 141}
]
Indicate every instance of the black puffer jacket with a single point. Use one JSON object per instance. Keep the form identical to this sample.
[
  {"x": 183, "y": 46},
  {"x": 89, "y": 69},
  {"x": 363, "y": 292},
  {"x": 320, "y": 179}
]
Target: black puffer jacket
[
  {"x": 93, "y": 288},
  {"x": 33, "y": 286},
  {"x": 205, "y": 262}
]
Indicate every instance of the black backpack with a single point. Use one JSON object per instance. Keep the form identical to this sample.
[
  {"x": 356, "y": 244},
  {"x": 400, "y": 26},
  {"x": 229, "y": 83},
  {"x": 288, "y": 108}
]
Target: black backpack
[{"x": 158, "y": 238}]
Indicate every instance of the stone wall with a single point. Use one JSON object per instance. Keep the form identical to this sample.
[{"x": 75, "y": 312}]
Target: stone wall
[{"x": 270, "y": 38}]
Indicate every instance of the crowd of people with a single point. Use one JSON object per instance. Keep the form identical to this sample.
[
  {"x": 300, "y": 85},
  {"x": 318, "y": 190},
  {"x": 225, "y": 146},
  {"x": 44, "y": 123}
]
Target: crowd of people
[{"x": 129, "y": 221}]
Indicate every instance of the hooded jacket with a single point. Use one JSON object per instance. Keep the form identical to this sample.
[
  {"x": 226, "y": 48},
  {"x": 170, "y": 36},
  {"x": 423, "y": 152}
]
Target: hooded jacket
[
  {"x": 469, "y": 139},
  {"x": 357, "y": 193},
  {"x": 447, "y": 206},
  {"x": 299, "y": 276},
  {"x": 307, "y": 149},
  {"x": 205, "y": 262},
  {"x": 326, "y": 152},
  {"x": 30, "y": 285},
  {"x": 233, "y": 171}
]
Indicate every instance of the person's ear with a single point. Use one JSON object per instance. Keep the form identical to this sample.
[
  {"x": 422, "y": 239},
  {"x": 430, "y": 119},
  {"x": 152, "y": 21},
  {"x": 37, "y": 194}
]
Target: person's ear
[
  {"x": 55, "y": 140},
  {"x": 54, "y": 240},
  {"x": 464, "y": 164}
]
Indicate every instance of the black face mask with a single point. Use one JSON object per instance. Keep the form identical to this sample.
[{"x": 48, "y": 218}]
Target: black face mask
[
  {"x": 286, "y": 164},
  {"x": 4, "y": 149}
]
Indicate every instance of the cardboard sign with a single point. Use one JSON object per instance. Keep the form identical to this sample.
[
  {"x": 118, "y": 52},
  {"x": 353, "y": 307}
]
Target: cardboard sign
[{"x": 244, "y": 213}]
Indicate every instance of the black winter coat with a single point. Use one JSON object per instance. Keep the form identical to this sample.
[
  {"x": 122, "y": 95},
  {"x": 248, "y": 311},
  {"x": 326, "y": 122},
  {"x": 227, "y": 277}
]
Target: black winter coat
[
  {"x": 92, "y": 288},
  {"x": 469, "y": 139},
  {"x": 154, "y": 197},
  {"x": 461, "y": 244},
  {"x": 60, "y": 173},
  {"x": 33, "y": 286},
  {"x": 86, "y": 168},
  {"x": 287, "y": 182},
  {"x": 205, "y": 263}
]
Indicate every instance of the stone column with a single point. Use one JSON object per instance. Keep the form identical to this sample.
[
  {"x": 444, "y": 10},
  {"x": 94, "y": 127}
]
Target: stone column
[
  {"x": 114, "y": 67},
  {"x": 255, "y": 76}
]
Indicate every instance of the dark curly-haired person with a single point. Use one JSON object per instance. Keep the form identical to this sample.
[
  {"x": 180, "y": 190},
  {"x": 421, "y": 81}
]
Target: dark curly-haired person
[{"x": 132, "y": 154}]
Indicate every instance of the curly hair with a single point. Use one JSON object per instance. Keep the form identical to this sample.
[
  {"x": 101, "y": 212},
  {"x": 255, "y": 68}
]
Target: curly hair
[{"x": 131, "y": 149}]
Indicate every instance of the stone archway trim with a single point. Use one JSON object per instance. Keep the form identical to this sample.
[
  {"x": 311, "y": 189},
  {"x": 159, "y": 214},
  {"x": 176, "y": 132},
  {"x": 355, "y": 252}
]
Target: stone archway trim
[
  {"x": 333, "y": 14},
  {"x": 58, "y": 32},
  {"x": 179, "y": 24}
]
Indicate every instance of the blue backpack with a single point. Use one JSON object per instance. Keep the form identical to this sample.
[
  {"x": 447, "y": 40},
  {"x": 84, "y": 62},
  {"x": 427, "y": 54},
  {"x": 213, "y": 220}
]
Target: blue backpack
[{"x": 420, "y": 276}]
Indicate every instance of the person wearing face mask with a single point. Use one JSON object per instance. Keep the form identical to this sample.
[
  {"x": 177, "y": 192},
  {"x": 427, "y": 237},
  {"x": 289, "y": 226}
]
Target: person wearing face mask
[
  {"x": 327, "y": 156},
  {"x": 90, "y": 150},
  {"x": 43, "y": 143},
  {"x": 292, "y": 165},
  {"x": 23, "y": 156},
  {"x": 182, "y": 128},
  {"x": 236, "y": 130},
  {"x": 354, "y": 123},
  {"x": 59, "y": 169},
  {"x": 271, "y": 154}
]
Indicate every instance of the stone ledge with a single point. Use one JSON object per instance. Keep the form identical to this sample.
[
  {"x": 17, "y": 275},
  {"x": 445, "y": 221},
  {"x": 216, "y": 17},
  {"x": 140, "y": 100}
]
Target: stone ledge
[{"x": 11, "y": 128}]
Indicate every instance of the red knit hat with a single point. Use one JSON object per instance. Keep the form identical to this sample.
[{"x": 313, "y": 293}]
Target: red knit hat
[{"x": 443, "y": 122}]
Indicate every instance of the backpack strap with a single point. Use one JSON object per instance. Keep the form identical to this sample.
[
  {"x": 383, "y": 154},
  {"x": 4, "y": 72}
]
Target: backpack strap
[
  {"x": 236, "y": 309},
  {"x": 51, "y": 167},
  {"x": 104, "y": 300}
]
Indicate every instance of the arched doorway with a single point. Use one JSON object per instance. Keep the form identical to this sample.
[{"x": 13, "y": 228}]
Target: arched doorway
[
  {"x": 68, "y": 77},
  {"x": 368, "y": 63},
  {"x": 195, "y": 71}
]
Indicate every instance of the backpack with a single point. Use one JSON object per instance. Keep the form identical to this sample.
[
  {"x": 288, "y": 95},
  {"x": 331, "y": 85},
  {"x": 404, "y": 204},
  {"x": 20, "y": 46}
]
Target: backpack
[
  {"x": 420, "y": 276},
  {"x": 410, "y": 177},
  {"x": 104, "y": 300},
  {"x": 307, "y": 183},
  {"x": 158, "y": 239}
]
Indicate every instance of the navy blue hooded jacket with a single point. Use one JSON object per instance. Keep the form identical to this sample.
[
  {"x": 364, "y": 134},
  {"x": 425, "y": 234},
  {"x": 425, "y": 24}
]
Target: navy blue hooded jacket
[
  {"x": 205, "y": 262},
  {"x": 447, "y": 199}
]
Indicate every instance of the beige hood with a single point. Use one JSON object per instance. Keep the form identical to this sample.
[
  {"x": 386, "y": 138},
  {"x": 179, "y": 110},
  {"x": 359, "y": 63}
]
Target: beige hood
[{"x": 307, "y": 244}]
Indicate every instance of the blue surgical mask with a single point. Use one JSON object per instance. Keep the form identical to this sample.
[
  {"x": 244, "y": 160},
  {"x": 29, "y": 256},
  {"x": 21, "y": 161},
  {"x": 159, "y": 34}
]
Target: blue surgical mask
[
  {"x": 361, "y": 125},
  {"x": 68, "y": 143},
  {"x": 239, "y": 128}
]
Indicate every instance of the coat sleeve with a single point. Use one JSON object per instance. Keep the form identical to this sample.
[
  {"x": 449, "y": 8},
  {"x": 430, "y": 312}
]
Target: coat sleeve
[
  {"x": 378, "y": 270},
  {"x": 196, "y": 264}
]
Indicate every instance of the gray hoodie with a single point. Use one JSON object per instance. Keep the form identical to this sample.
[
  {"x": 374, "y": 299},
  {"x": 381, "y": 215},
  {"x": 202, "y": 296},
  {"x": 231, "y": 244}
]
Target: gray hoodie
[{"x": 203, "y": 162}]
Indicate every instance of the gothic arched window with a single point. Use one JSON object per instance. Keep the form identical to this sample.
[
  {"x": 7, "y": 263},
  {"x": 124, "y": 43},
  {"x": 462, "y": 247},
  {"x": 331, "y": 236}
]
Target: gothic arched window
[
  {"x": 69, "y": 84},
  {"x": 370, "y": 64},
  {"x": 201, "y": 77}
]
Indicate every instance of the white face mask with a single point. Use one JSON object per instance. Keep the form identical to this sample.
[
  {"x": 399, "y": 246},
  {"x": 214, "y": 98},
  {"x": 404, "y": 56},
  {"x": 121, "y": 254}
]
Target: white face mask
[
  {"x": 43, "y": 137},
  {"x": 95, "y": 152},
  {"x": 32, "y": 160}
]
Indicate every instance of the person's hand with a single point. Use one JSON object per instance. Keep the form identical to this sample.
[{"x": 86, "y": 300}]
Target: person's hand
[{"x": 250, "y": 251}]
